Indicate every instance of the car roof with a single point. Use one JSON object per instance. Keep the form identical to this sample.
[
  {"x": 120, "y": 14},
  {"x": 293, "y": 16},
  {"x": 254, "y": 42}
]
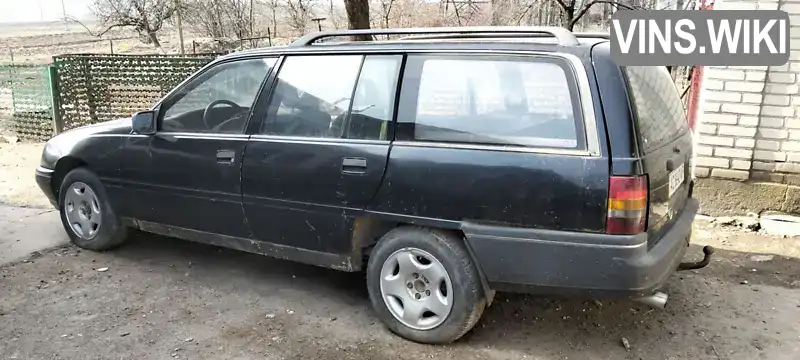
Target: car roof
[{"x": 511, "y": 39}]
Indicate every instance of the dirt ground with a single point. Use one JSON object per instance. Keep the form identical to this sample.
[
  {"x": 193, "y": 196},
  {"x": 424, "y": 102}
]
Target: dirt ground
[
  {"x": 18, "y": 163},
  {"x": 163, "y": 298}
]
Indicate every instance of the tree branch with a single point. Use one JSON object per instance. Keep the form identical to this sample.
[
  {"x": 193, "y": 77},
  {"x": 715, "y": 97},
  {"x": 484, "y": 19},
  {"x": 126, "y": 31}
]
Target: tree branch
[
  {"x": 524, "y": 12},
  {"x": 89, "y": 31},
  {"x": 588, "y": 5}
]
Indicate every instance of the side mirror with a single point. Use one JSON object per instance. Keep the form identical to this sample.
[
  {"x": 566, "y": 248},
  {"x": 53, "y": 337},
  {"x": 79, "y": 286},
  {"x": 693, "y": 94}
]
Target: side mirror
[{"x": 144, "y": 123}]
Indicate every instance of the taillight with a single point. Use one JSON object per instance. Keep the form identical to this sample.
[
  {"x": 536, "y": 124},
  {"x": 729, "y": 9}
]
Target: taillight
[{"x": 627, "y": 205}]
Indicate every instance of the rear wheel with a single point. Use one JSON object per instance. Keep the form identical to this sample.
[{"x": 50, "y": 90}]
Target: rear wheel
[
  {"x": 86, "y": 213},
  {"x": 424, "y": 285}
]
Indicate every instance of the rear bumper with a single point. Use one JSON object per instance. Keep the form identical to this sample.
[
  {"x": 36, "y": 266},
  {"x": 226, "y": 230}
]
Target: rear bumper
[
  {"x": 597, "y": 265},
  {"x": 44, "y": 178}
]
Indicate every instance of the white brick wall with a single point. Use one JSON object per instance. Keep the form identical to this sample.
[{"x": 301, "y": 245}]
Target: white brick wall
[{"x": 750, "y": 116}]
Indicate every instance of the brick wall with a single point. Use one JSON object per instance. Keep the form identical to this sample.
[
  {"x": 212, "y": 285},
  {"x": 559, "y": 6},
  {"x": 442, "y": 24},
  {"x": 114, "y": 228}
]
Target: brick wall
[{"x": 749, "y": 123}]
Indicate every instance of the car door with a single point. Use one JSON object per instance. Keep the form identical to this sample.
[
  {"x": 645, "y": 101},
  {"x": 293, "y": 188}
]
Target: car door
[
  {"x": 495, "y": 139},
  {"x": 320, "y": 151},
  {"x": 193, "y": 162}
]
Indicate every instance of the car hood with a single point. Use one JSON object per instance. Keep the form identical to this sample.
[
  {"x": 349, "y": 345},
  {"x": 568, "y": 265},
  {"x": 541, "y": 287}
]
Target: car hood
[
  {"x": 119, "y": 126},
  {"x": 62, "y": 144}
]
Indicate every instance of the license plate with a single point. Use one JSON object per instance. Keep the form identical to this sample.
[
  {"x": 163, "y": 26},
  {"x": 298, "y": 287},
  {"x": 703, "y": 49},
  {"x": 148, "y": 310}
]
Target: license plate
[{"x": 676, "y": 179}]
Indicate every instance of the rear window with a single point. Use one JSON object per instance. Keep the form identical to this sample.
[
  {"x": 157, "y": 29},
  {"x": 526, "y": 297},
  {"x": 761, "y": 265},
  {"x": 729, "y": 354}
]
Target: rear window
[
  {"x": 658, "y": 108},
  {"x": 509, "y": 101}
]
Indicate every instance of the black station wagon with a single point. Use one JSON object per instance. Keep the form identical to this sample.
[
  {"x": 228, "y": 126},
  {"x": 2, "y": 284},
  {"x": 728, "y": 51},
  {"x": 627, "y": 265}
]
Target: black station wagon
[{"x": 447, "y": 163}]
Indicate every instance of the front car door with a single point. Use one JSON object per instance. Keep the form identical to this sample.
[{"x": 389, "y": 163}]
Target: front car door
[
  {"x": 319, "y": 154},
  {"x": 191, "y": 180}
]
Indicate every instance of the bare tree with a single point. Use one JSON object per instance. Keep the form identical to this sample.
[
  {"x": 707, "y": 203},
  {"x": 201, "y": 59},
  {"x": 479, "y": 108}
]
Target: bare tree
[
  {"x": 205, "y": 17},
  {"x": 273, "y": 6},
  {"x": 335, "y": 15},
  {"x": 574, "y": 11},
  {"x": 220, "y": 19},
  {"x": 358, "y": 16},
  {"x": 513, "y": 12},
  {"x": 384, "y": 11},
  {"x": 298, "y": 14},
  {"x": 464, "y": 12},
  {"x": 145, "y": 16},
  {"x": 500, "y": 11},
  {"x": 237, "y": 13}
]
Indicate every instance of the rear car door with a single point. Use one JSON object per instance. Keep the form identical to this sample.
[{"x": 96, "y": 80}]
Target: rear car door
[
  {"x": 189, "y": 172},
  {"x": 497, "y": 139},
  {"x": 320, "y": 151},
  {"x": 665, "y": 143}
]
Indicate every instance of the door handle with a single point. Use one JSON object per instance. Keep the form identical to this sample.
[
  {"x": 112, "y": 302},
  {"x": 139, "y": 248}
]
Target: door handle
[
  {"x": 354, "y": 165},
  {"x": 226, "y": 156}
]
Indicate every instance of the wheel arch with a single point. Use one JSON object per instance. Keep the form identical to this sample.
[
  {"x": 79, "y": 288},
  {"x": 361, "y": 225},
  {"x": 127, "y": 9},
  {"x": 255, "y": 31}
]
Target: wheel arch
[
  {"x": 63, "y": 167},
  {"x": 368, "y": 231}
]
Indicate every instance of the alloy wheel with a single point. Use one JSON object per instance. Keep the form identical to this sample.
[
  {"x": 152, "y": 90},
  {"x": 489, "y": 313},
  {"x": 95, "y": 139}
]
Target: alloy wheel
[
  {"x": 416, "y": 288},
  {"x": 82, "y": 210}
]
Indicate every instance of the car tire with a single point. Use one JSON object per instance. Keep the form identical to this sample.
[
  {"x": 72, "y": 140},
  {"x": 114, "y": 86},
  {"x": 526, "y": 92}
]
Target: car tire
[
  {"x": 86, "y": 212},
  {"x": 426, "y": 252}
]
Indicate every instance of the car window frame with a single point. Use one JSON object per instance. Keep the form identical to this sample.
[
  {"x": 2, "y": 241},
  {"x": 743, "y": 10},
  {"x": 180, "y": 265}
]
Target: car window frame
[
  {"x": 175, "y": 94},
  {"x": 585, "y": 123},
  {"x": 261, "y": 109}
]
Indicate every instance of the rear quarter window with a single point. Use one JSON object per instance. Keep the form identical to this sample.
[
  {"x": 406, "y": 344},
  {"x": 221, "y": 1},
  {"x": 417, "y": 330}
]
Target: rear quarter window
[
  {"x": 491, "y": 100},
  {"x": 657, "y": 106}
]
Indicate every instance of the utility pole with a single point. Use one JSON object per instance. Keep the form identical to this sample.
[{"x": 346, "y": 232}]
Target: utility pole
[
  {"x": 178, "y": 14},
  {"x": 64, "y": 13},
  {"x": 319, "y": 22}
]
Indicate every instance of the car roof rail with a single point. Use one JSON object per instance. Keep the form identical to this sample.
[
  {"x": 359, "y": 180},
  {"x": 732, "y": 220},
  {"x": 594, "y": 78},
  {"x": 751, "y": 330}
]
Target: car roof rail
[
  {"x": 594, "y": 35},
  {"x": 478, "y": 36},
  {"x": 562, "y": 35}
]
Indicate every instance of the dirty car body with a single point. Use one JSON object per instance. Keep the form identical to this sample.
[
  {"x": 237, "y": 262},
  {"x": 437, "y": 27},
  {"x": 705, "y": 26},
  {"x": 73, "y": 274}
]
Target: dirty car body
[{"x": 332, "y": 146}]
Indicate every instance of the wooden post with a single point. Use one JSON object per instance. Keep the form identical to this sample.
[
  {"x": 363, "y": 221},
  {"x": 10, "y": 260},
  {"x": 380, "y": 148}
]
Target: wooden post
[
  {"x": 252, "y": 34},
  {"x": 180, "y": 24},
  {"x": 269, "y": 37},
  {"x": 111, "y": 45}
]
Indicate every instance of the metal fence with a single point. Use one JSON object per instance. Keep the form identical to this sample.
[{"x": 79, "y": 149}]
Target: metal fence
[
  {"x": 26, "y": 101},
  {"x": 96, "y": 88}
]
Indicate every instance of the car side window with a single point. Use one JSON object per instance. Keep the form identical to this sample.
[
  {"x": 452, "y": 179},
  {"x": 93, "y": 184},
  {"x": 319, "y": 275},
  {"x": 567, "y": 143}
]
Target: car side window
[
  {"x": 311, "y": 100},
  {"x": 492, "y": 100},
  {"x": 373, "y": 101},
  {"x": 218, "y": 100},
  {"x": 659, "y": 108}
]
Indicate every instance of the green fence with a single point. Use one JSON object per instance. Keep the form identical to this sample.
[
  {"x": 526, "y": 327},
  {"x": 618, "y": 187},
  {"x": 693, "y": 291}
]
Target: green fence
[
  {"x": 26, "y": 101},
  {"x": 96, "y": 88}
]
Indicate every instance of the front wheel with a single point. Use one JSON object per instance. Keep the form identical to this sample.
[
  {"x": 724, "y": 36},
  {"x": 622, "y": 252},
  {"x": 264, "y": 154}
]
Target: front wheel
[
  {"x": 87, "y": 214},
  {"x": 424, "y": 285}
]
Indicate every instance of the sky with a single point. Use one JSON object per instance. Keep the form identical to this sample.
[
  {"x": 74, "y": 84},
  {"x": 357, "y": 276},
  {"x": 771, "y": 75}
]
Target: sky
[{"x": 42, "y": 10}]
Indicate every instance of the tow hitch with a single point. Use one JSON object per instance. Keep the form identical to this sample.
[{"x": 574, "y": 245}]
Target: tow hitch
[{"x": 707, "y": 251}]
